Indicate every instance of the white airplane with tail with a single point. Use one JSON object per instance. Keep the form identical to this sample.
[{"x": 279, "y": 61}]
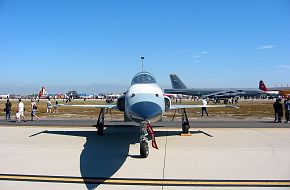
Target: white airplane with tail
[
  {"x": 4, "y": 96},
  {"x": 42, "y": 93},
  {"x": 145, "y": 104},
  {"x": 263, "y": 87}
]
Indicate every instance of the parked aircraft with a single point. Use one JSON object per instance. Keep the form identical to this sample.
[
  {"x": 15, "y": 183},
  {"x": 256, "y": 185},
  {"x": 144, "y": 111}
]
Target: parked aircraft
[
  {"x": 73, "y": 94},
  {"x": 274, "y": 91},
  {"x": 170, "y": 95},
  {"x": 178, "y": 87},
  {"x": 4, "y": 96},
  {"x": 42, "y": 93},
  {"x": 85, "y": 96},
  {"x": 113, "y": 96},
  {"x": 144, "y": 103}
]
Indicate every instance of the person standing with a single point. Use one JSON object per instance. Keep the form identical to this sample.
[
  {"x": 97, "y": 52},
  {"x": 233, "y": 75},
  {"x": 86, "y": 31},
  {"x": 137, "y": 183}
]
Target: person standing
[
  {"x": 21, "y": 110},
  {"x": 8, "y": 106},
  {"x": 48, "y": 109},
  {"x": 287, "y": 110},
  {"x": 55, "y": 107},
  {"x": 230, "y": 101},
  {"x": 33, "y": 110},
  {"x": 278, "y": 109},
  {"x": 203, "y": 109}
]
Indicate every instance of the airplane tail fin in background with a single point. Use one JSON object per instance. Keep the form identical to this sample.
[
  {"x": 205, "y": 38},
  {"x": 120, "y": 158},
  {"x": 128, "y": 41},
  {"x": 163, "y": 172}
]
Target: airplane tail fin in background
[
  {"x": 262, "y": 86},
  {"x": 176, "y": 82},
  {"x": 42, "y": 92}
]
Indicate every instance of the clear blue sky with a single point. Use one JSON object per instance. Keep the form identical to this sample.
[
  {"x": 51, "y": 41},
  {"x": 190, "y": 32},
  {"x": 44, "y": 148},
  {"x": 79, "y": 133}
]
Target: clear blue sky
[{"x": 69, "y": 43}]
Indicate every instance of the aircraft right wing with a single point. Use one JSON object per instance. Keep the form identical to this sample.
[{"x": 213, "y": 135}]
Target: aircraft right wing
[{"x": 173, "y": 107}]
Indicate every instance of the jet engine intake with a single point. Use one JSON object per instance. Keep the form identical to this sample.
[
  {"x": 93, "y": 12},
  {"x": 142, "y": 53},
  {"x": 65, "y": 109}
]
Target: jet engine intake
[
  {"x": 121, "y": 103},
  {"x": 167, "y": 103}
]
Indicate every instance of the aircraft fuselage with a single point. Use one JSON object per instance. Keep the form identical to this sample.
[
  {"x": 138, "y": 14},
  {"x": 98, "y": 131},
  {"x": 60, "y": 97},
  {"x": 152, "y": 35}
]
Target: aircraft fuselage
[{"x": 144, "y": 102}]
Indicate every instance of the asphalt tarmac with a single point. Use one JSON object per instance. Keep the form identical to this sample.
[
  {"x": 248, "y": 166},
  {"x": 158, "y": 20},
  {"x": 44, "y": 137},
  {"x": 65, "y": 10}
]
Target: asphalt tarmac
[{"x": 68, "y": 154}]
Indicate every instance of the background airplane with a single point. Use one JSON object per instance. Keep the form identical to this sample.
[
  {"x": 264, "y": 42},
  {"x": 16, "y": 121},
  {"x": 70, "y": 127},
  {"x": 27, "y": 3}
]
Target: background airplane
[
  {"x": 144, "y": 103},
  {"x": 4, "y": 96},
  {"x": 42, "y": 93},
  {"x": 85, "y": 96},
  {"x": 178, "y": 87},
  {"x": 274, "y": 91},
  {"x": 170, "y": 95}
]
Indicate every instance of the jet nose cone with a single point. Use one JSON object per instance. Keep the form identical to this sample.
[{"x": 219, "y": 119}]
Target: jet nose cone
[{"x": 146, "y": 110}]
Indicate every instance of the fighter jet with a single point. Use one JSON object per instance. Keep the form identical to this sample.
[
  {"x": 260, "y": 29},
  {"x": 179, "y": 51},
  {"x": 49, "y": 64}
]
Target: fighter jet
[
  {"x": 178, "y": 87},
  {"x": 145, "y": 104}
]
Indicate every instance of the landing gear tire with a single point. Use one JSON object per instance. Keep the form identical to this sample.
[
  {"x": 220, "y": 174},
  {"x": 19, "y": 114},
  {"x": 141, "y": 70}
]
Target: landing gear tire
[
  {"x": 185, "y": 128},
  {"x": 185, "y": 122},
  {"x": 144, "y": 149}
]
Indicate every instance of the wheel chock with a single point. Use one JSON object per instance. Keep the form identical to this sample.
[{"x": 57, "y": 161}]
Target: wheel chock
[{"x": 185, "y": 134}]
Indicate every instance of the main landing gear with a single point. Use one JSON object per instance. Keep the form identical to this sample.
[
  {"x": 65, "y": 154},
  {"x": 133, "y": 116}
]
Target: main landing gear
[
  {"x": 185, "y": 122},
  {"x": 101, "y": 121}
]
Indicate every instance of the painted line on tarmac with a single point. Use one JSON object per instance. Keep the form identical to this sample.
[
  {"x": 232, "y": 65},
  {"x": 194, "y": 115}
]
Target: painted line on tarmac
[{"x": 149, "y": 182}]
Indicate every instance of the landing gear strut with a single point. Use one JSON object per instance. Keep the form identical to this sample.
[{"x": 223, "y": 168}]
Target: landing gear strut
[
  {"x": 185, "y": 122},
  {"x": 144, "y": 148},
  {"x": 100, "y": 122}
]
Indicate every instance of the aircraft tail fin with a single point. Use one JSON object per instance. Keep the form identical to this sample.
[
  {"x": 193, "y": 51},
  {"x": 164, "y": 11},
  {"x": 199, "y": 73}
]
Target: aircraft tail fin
[
  {"x": 262, "y": 86},
  {"x": 176, "y": 82},
  {"x": 42, "y": 92}
]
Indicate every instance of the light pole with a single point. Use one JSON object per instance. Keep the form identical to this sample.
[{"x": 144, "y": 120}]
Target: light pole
[{"x": 142, "y": 58}]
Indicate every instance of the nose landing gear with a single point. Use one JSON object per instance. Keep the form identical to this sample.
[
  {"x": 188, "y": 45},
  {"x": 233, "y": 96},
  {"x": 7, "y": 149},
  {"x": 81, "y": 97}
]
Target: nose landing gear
[{"x": 144, "y": 148}]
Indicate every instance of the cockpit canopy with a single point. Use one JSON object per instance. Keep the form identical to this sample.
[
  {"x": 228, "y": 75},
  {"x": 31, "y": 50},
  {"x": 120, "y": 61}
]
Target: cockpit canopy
[{"x": 143, "y": 78}]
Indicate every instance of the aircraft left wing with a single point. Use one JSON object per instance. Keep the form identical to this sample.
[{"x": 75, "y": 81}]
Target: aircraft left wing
[
  {"x": 174, "y": 107},
  {"x": 109, "y": 106}
]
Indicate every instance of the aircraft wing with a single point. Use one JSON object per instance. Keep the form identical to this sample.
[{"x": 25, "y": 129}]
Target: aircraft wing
[
  {"x": 108, "y": 106},
  {"x": 174, "y": 107},
  {"x": 226, "y": 93}
]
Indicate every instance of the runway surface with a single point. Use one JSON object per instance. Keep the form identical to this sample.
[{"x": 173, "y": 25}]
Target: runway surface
[{"x": 68, "y": 154}]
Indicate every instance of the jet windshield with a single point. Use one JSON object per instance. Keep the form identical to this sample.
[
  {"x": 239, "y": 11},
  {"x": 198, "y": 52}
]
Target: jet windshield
[{"x": 143, "y": 78}]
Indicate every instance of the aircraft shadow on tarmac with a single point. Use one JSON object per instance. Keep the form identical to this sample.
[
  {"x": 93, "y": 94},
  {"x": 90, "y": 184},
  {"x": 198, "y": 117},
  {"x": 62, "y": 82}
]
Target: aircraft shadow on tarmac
[{"x": 103, "y": 156}]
